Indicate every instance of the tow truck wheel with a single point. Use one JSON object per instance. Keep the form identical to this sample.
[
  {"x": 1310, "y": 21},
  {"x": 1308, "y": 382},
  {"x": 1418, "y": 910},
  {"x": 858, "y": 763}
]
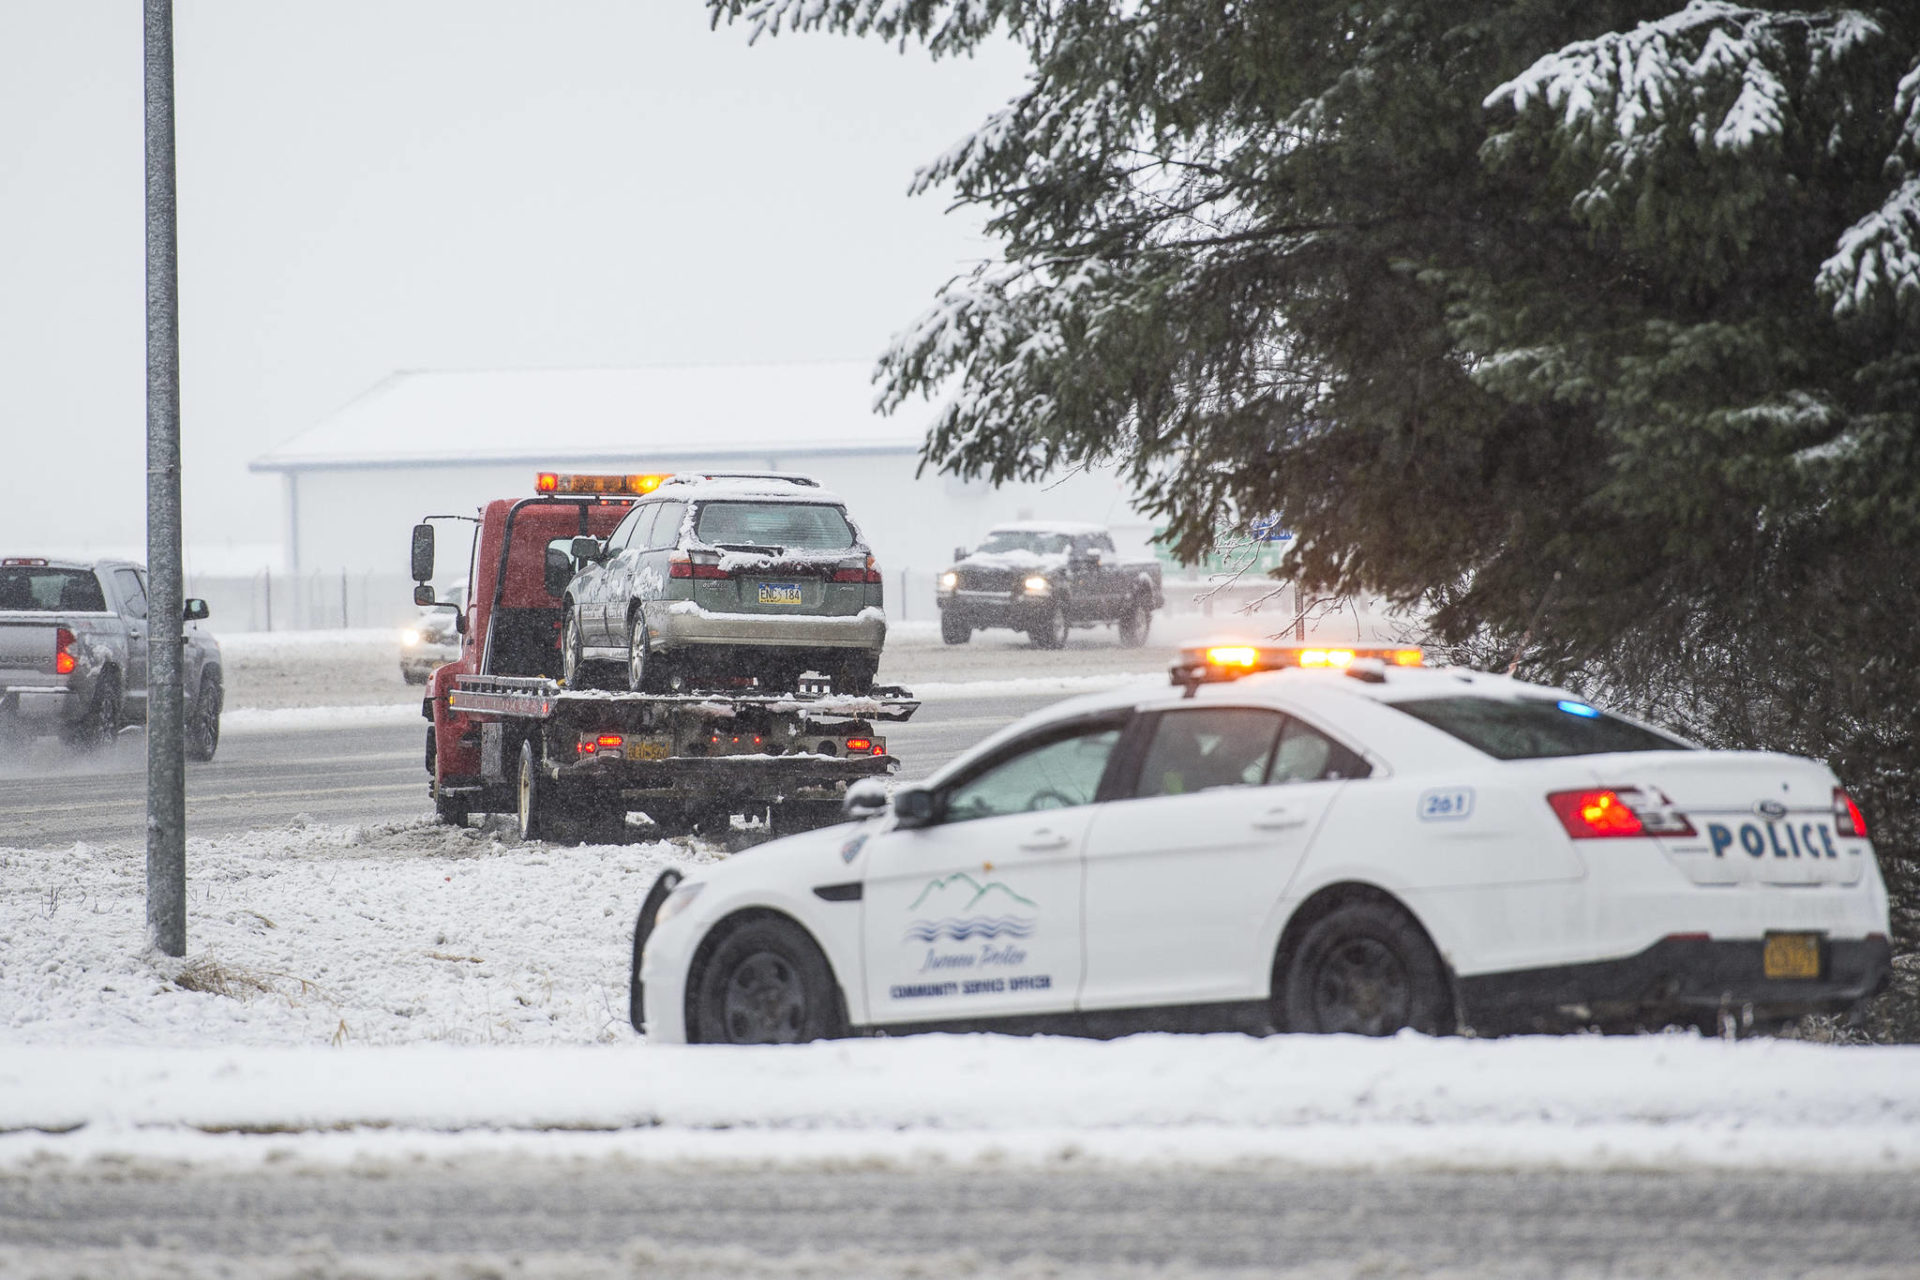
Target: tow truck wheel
[
  {"x": 1134, "y": 624},
  {"x": 536, "y": 805},
  {"x": 644, "y": 670},
  {"x": 953, "y": 630},
  {"x": 1052, "y": 631},
  {"x": 765, "y": 983}
]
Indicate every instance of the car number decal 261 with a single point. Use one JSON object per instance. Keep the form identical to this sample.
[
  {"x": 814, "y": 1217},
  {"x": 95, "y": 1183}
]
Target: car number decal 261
[{"x": 1446, "y": 804}]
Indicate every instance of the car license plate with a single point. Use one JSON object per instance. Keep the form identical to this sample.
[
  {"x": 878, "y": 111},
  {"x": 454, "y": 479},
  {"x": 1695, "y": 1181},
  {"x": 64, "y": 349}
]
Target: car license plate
[
  {"x": 779, "y": 593},
  {"x": 1791, "y": 955},
  {"x": 647, "y": 749}
]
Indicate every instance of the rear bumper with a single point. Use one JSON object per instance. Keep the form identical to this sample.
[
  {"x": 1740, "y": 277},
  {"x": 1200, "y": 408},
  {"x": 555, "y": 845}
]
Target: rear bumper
[
  {"x": 1677, "y": 979},
  {"x": 32, "y": 709},
  {"x": 680, "y": 627}
]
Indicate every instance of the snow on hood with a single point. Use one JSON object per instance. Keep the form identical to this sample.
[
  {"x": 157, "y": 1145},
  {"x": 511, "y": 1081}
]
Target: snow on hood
[{"x": 1017, "y": 559}]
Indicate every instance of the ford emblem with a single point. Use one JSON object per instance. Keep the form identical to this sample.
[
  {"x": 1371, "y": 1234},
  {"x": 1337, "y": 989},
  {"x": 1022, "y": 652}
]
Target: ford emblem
[{"x": 1771, "y": 810}]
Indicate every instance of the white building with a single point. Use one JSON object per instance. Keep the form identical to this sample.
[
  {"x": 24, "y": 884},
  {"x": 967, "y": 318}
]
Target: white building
[{"x": 432, "y": 443}]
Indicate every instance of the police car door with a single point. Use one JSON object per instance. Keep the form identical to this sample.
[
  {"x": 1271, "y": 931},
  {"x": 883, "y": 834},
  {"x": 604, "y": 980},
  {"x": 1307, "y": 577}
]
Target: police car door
[
  {"x": 1184, "y": 873},
  {"x": 979, "y": 914}
]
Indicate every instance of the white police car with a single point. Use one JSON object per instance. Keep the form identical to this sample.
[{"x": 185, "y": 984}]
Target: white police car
[{"x": 1339, "y": 841}]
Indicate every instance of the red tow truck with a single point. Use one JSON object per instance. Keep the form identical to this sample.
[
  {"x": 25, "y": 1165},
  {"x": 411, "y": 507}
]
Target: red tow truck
[{"x": 508, "y": 736}]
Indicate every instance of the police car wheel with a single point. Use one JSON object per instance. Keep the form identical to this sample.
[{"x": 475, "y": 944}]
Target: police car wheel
[
  {"x": 1363, "y": 969},
  {"x": 765, "y": 983}
]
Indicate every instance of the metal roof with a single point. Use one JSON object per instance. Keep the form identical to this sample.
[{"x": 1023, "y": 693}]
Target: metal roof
[{"x": 656, "y": 416}]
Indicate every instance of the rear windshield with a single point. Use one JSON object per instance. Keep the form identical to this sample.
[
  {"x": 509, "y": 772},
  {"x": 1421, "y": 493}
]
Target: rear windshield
[
  {"x": 36, "y": 589},
  {"x": 778, "y": 526},
  {"x": 1535, "y": 728}
]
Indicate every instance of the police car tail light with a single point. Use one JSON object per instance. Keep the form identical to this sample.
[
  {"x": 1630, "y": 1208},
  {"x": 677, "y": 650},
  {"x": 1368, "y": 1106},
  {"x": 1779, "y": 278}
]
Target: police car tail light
[
  {"x": 1847, "y": 818},
  {"x": 63, "y": 659},
  {"x": 1596, "y": 815}
]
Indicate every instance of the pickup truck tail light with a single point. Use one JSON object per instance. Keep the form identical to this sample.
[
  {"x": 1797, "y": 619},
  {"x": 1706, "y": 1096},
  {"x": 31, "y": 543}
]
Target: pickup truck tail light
[
  {"x": 63, "y": 659},
  {"x": 681, "y": 565}
]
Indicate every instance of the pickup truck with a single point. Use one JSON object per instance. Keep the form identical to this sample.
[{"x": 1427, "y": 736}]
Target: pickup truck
[
  {"x": 1045, "y": 578},
  {"x": 73, "y": 654}
]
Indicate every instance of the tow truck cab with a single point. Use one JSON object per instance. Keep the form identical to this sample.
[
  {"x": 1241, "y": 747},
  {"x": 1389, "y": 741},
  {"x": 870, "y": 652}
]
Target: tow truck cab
[{"x": 512, "y": 627}]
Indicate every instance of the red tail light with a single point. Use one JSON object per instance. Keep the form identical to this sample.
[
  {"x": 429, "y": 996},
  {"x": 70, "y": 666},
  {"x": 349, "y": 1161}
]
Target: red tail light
[
  {"x": 1595, "y": 815},
  {"x": 63, "y": 659},
  {"x": 1847, "y": 818},
  {"x": 859, "y": 744},
  {"x": 869, "y": 575},
  {"x": 683, "y": 566}
]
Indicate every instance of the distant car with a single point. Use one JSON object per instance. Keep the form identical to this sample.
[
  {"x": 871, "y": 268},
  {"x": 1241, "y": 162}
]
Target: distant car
[
  {"x": 1044, "y": 578},
  {"x": 724, "y": 578},
  {"x": 73, "y": 654},
  {"x": 1358, "y": 845},
  {"x": 434, "y": 639}
]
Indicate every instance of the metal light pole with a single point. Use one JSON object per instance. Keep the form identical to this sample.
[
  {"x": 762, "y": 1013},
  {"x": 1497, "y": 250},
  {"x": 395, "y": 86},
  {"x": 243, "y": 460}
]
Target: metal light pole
[{"x": 166, "y": 753}]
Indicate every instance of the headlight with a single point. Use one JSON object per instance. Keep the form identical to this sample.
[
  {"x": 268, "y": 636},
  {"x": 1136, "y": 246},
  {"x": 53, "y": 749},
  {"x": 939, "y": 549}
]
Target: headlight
[
  {"x": 409, "y": 638},
  {"x": 677, "y": 901},
  {"x": 949, "y": 580},
  {"x": 1038, "y": 586}
]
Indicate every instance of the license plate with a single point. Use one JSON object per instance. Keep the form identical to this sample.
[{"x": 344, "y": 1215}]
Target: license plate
[
  {"x": 779, "y": 593},
  {"x": 647, "y": 749},
  {"x": 1791, "y": 955}
]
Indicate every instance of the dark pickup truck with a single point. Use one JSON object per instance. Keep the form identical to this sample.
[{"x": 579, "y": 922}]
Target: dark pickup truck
[
  {"x": 1044, "y": 578},
  {"x": 73, "y": 654}
]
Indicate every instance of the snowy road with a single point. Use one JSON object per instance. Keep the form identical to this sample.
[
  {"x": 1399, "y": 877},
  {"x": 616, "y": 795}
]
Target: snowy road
[{"x": 582, "y": 1218}]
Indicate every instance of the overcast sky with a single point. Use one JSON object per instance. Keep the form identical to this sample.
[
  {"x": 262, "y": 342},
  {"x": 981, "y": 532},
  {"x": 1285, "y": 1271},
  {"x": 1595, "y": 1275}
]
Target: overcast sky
[{"x": 372, "y": 185}]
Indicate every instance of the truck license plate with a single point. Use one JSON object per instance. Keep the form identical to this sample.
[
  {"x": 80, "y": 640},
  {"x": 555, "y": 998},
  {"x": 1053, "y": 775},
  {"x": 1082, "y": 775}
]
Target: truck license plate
[
  {"x": 647, "y": 749},
  {"x": 779, "y": 593},
  {"x": 1791, "y": 955}
]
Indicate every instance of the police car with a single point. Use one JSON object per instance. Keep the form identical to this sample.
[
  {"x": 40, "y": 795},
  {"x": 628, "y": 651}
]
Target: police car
[{"x": 1301, "y": 839}]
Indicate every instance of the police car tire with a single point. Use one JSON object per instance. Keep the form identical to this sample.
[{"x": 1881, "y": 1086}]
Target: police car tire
[
  {"x": 765, "y": 983},
  {"x": 1364, "y": 968}
]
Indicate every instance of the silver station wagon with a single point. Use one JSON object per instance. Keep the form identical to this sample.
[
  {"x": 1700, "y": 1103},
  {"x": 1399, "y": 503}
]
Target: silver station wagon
[{"x": 722, "y": 579}]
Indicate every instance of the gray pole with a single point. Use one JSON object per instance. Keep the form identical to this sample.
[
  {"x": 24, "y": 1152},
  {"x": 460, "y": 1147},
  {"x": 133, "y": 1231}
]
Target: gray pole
[{"x": 166, "y": 757}]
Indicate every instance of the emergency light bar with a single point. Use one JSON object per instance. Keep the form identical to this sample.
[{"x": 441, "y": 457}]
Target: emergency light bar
[
  {"x": 619, "y": 486},
  {"x": 1200, "y": 664}
]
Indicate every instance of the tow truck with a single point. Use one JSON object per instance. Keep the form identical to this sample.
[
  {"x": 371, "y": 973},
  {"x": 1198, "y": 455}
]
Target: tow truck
[{"x": 508, "y": 736}]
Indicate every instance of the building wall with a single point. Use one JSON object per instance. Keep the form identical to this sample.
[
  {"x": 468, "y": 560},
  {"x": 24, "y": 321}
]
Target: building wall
[{"x": 357, "y": 520}]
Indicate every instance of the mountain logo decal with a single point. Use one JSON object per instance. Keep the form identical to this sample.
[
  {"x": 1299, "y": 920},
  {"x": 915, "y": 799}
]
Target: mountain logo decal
[{"x": 960, "y": 908}]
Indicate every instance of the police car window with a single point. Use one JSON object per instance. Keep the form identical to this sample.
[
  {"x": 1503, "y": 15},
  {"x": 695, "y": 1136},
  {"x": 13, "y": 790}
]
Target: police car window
[
  {"x": 813, "y": 526},
  {"x": 1059, "y": 774},
  {"x": 1534, "y": 728},
  {"x": 666, "y": 530},
  {"x": 1307, "y": 755},
  {"x": 1201, "y": 749}
]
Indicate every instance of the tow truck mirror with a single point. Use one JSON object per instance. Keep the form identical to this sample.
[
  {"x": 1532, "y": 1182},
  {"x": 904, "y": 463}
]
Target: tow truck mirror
[
  {"x": 422, "y": 558},
  {"x": 423, "y": 594},
  {"x": 559, "y": 565},
  {"x": 864, "y": 798},
  {"x": 913, "y": 807},
  {"x": 195, "y": 610}
]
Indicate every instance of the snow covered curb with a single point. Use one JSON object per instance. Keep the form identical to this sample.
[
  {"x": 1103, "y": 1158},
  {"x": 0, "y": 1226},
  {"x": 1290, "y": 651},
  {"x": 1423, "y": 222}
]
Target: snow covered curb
[{"x": 1335, "y": 1102}]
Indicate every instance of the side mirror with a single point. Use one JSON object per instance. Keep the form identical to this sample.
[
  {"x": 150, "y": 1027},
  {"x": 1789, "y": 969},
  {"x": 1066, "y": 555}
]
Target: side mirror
[
  {"x": 913, "y": 807},
  {"x": 195, "y": 611},
  {"x": 422, "y": 557},
  {"x": 959, "y": 553},
  {"x": 558, "y": 567},
  {"x": 864, "y": 798},
  {"x": 459, "y": 621},
  {"x": 423, "y": 594},
  {"x": 587, "y": 550}
]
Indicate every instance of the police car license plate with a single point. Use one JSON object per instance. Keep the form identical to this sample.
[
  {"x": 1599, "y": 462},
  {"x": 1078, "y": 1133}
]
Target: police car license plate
[
  {"x": 1791, "y": 955},
  {"x": 779, "y": 593}
]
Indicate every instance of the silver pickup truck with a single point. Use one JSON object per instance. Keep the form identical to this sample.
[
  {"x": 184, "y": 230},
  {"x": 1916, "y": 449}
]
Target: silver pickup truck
[{"x": 73, "y": 654}]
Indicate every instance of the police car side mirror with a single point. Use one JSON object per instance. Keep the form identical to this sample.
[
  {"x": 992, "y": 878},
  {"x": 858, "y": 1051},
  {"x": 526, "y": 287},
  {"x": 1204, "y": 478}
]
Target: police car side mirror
[
  {"x": 195, "y": 610},
  {"x": 422, "y": 556},
  {"x": 864, "y": 799},
  {"x": 913, "y": 807}
]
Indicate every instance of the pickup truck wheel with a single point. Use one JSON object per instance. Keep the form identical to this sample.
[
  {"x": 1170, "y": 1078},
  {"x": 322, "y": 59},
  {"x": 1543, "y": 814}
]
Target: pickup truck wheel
[
  {"x": 101, "y": 722},
  {"x": 534, "y": 795},
  {"x": 646, "y": 672},
  {"x": 1051, "y": 633},
  {"x": 765, "y": 983},
  {"x": 1134, "y": 624},
  {"x": 954, "y": 630},
  {"x": 203, "y": 720}
]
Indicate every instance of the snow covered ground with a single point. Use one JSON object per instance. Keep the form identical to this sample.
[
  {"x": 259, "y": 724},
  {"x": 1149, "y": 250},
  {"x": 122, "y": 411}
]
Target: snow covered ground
[{"x": 406, "y": 988}]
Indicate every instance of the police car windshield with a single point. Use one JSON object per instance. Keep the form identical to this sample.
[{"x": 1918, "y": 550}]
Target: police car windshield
[
  {"x": 1534, "y": 728},
  {"x": 1040, "y": 543},
  {"x": 814, "y": 526}
]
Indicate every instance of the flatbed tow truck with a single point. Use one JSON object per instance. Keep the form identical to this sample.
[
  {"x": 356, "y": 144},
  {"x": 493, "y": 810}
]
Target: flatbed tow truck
[{"x": 508, "y": 737}]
